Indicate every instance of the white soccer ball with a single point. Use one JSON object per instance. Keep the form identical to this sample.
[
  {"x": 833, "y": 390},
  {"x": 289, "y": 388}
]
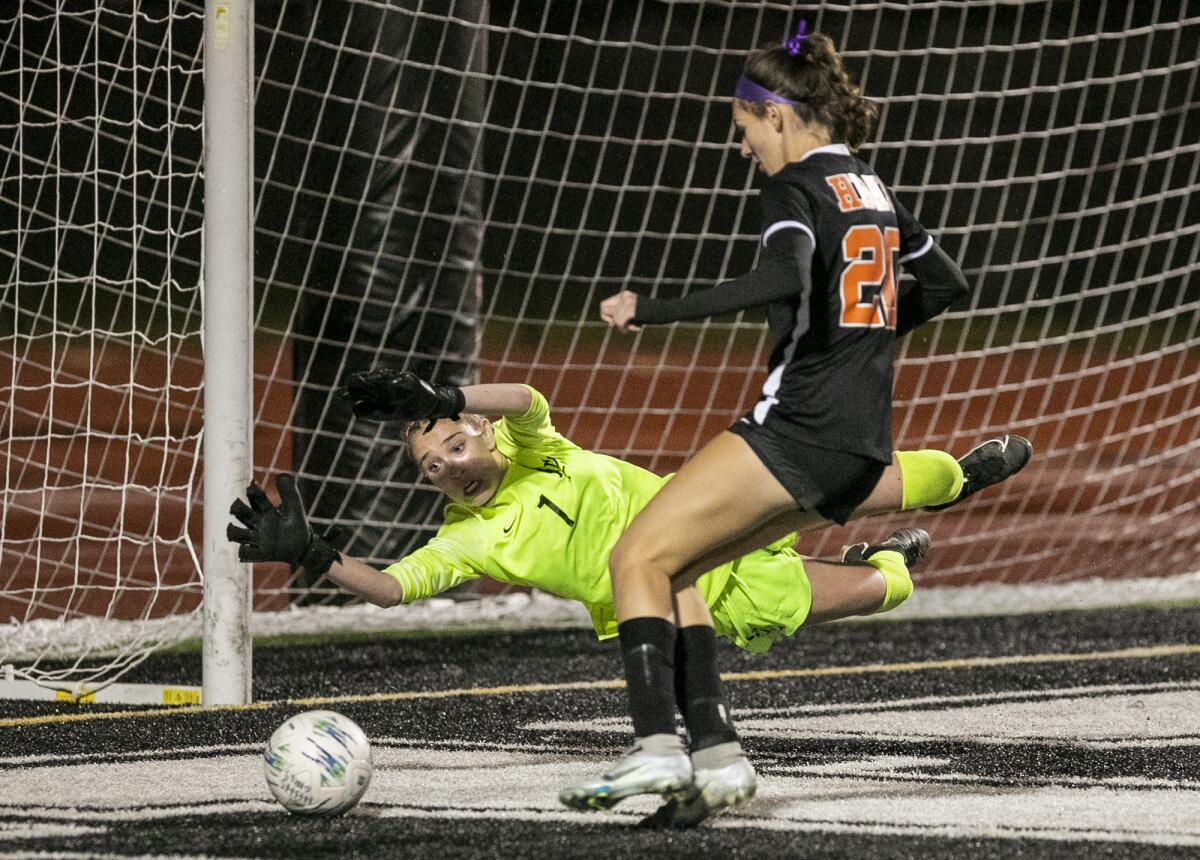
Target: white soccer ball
[{"x": 318, "y": 763}]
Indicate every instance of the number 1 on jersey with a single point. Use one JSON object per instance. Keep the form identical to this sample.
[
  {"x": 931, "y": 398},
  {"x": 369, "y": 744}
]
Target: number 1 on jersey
[
  {"x": 542, "y": 500},
  {"x": 871, "y": 254}
]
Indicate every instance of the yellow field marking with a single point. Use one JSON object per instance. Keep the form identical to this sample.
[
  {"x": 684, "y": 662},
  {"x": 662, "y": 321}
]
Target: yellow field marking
[
  {"x": 767, "y": 674},
  {"x": 971, "y": 662}
]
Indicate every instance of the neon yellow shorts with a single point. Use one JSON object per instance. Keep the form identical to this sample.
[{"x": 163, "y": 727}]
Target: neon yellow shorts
[{"x": 766, "y": 597}]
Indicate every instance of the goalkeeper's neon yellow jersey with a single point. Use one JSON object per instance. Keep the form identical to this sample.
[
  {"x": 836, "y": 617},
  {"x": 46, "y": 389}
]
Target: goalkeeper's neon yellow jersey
[{"x": 551, "y": 525}]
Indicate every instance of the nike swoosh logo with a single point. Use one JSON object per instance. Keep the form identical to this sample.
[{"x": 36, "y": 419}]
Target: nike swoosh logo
[{"x": 509, "y": 528}]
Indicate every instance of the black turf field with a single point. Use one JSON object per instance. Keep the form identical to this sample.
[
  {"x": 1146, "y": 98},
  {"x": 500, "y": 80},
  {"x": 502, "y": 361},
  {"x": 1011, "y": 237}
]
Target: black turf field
[{"x": 1058, "y": 735}]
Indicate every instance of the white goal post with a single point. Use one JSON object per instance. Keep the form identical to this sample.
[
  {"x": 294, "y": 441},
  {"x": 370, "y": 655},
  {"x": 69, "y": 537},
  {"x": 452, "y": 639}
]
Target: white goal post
[
  {"x": 228, "y": 282},
  {"x": 453, "y": 186}
]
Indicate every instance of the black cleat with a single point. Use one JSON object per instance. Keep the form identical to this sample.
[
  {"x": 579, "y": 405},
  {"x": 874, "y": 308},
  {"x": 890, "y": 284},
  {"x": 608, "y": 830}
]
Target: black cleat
[
  {"x": 990, "y": 463},
  {"x": 714, "y": 788},
  {"x": 676, "y": 814},
  {"x": 910, "y": 543}
]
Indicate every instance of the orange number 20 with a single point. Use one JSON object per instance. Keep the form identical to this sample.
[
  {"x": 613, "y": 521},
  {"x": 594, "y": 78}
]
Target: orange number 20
[{"x": 870, "y": 252}]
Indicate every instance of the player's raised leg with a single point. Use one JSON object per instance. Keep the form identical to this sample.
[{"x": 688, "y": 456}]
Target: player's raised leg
[
  {"x": 989, "y": 463},
  {"x": 933, "y": 480},
  {"x": 916, "y": 480}
]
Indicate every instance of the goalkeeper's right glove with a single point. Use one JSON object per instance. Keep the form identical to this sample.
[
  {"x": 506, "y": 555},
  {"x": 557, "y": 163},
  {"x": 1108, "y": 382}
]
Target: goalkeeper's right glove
[
  {"x": 401, "y": 394},
  {"x": 279, "y": 533}
]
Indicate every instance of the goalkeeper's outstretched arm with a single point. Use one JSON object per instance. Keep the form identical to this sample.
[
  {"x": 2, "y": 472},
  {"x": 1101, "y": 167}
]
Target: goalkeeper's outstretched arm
[
  {"x": 281, "y": 533},
  {"x": 369, "y": 583},
  {"x": 503, "y": 398}
]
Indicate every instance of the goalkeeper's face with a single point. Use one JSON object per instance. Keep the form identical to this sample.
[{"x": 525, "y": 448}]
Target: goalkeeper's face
[{"x": 460, "y": 459}]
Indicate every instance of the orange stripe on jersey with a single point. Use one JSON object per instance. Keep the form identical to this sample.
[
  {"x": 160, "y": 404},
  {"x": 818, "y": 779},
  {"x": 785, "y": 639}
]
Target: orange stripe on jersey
[{"x": 845, "y": 192}]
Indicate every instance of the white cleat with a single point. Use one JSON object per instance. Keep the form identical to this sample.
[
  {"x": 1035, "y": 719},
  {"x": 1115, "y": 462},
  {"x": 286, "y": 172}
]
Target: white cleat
[{"x": 656, "y": 764}]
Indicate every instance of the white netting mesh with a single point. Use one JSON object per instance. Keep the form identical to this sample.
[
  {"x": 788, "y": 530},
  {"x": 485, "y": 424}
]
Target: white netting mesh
[
  {"x": 453, "y": 186},
  {"x": 99, "y": 341}
]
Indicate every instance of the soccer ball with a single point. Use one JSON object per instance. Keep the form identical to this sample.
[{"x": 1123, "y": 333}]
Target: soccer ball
[{"x": 318, "y": 763}]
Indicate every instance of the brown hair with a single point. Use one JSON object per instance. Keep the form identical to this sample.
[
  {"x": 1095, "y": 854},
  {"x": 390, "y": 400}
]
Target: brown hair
[{"x": 817, "y": 81}]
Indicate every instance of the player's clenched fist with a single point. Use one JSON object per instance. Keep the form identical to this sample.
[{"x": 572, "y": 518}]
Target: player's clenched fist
[
  {"x": 401, "y": 395},
  {"x": 278, "y": 532},
  {"x": 619, "y": 310}
]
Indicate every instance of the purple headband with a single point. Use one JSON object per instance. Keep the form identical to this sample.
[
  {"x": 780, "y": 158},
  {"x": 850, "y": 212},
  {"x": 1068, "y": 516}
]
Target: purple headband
[{"x": 748, "y": 91}]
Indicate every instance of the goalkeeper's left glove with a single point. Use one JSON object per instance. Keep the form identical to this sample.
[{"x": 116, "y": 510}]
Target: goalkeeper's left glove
[
  {"x": 401, "y": 394},
  {"x": 279, "y": 533}
]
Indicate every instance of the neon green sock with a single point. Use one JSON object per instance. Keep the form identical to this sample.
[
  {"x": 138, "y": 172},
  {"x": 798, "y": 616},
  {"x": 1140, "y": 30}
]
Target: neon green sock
[
  {"x": 928, "y": 478},
  {"x": 895, "y": 578}
]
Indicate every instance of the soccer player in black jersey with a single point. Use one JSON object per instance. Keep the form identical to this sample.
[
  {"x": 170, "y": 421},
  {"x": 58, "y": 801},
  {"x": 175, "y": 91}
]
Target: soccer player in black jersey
[{"x": 815, "y": 448}]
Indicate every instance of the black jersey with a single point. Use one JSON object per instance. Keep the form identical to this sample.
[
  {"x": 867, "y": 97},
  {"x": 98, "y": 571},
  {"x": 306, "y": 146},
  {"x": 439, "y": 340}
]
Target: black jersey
[
  {"x": 832, "y": 238},
  {"x": 830, "y": 383}
]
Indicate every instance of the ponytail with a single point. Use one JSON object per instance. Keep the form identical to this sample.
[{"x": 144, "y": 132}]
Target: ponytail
[{"x": 807, "y": 71}]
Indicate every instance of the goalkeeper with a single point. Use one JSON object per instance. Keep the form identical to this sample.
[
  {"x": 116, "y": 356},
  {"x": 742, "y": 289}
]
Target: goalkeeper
[{"x": 529, "y": 507}]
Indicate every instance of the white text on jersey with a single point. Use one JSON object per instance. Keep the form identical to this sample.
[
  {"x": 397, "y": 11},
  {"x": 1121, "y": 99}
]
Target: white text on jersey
[{"x": 855, "y": 192}]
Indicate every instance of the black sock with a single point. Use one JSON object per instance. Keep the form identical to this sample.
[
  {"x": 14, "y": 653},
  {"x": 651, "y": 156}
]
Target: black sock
[
  {"x": 648, "y": 648},
  {"x": 698, "y": 689}
]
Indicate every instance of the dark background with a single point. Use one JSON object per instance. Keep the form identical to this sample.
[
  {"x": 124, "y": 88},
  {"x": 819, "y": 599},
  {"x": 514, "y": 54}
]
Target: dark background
[
  {"x": 438, "y": 178},
  {"x": 1021, "y": 134}
]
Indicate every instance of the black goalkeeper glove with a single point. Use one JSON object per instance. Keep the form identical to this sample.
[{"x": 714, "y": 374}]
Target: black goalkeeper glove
[
  {"x": 385, "y": 394},
  {"x": 279, "y": 533}
]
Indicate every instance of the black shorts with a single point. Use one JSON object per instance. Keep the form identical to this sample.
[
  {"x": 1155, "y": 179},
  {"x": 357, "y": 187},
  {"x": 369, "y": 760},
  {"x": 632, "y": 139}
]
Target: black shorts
[{"x": 832, "y": 483}]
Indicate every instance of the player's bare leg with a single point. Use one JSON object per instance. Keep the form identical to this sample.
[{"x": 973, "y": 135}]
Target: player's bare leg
[
  {"x": 647, "y": 561},
  {"x": 871, "y": 578},
  {"x": 928, "y": 480},
  {"x": 842, "y": 590},
  {"x": 887, "y": 497}
]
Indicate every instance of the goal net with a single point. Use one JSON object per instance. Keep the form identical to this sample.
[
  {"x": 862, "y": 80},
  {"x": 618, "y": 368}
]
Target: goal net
[{"x": 453, "y": 187}]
